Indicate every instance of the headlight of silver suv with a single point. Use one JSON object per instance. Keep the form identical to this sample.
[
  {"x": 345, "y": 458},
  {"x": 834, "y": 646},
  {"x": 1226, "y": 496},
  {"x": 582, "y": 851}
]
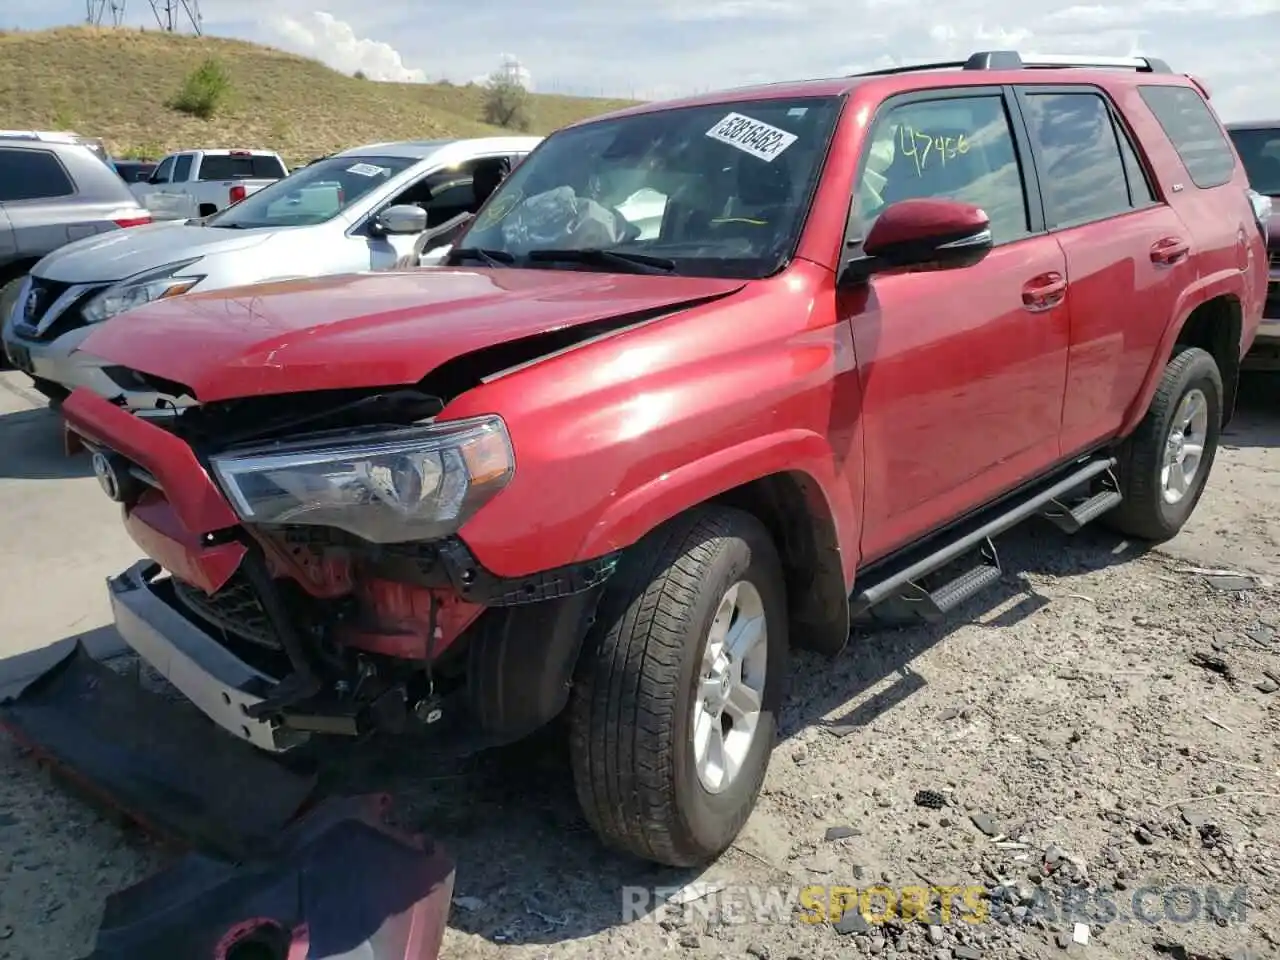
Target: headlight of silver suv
[
  {"x": 388, "y": 486},
  {"x": 158, "y": 284}
]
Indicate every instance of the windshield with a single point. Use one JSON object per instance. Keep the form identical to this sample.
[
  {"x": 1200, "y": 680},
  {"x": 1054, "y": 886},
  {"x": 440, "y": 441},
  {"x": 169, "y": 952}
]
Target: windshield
[
  {"x": 313, "y": 194},
  {"x": 1260, "y": 152},
  {"x": 720, "y": 190}
]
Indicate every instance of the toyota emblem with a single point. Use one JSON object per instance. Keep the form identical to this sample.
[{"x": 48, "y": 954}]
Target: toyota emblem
[{"x": 107, "y": 477}]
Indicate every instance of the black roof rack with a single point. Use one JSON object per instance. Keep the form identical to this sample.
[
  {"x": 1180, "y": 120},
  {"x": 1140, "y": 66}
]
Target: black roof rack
[{"x": 1012, "y": 60}]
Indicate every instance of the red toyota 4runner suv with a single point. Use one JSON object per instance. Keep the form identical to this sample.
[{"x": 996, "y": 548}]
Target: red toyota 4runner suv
[{"x": 703, "y": 380}]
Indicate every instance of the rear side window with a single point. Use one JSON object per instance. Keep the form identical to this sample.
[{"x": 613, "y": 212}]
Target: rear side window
[
  {"x": 1259, "y": 151},
  {"x": 32, "y": 175},
  {"x": 1083, "y": 172},
  {"x": 228, "y": 167},
  {"x": 1194, "y": 132}
]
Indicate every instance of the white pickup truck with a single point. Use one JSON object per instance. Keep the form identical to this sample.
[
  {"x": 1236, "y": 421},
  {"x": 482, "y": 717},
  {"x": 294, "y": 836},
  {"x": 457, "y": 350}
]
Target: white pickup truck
[{"x": 196, "y": 183}]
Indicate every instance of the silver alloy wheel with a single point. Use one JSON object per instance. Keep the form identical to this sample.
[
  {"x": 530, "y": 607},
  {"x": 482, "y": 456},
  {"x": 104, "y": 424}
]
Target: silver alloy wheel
[
  {"x": 1184, "y": 448},
  {"x": 726, "y": 710}
]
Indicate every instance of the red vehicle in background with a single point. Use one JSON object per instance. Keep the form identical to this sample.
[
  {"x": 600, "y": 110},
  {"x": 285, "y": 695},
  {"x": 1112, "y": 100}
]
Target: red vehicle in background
[{"x": 620, "y": 468}]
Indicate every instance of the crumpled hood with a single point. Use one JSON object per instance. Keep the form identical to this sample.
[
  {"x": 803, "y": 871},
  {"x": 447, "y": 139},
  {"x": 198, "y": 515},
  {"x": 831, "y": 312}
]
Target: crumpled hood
[
  {"x": 117, "y": 254},
  {"x": 370, "y": 329}
]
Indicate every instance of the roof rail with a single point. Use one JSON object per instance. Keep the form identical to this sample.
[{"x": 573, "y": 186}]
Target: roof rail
[{"x": 1012, "y": 60}]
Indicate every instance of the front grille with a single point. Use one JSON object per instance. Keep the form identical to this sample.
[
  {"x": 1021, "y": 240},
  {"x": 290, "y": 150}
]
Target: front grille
[
  {"x": 47, "y": 293},
  {"x": 235, "y": 608}
]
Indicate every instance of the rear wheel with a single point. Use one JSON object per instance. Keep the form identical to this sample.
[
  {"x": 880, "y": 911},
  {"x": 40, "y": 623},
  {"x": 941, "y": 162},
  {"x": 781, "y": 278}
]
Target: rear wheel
[
  {"x": 1165, "y": 463},
  {"x": 674, "y": 712}
]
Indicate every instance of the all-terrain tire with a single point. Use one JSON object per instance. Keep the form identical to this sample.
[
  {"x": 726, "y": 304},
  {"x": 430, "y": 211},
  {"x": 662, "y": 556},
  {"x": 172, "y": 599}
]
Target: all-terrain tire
[
  {"x": 1144, "y": 512},
  {"x": 632, "y": 705},
  {"x": 8, "y": 299}
]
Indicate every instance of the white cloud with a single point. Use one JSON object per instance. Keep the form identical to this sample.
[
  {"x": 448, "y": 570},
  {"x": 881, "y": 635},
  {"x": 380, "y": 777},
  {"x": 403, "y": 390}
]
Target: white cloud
[{"x": 333, "y": 41}]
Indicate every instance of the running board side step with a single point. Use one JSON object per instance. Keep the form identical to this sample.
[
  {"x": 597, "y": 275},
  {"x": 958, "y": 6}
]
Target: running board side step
[
  {"x": 903, "y": 580},
  {"x": 1070, "y": 517}
]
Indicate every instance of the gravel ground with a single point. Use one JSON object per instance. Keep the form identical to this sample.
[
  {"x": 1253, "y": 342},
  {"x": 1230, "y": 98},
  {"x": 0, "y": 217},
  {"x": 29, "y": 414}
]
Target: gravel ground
[{"x": 1094, "y": 743}]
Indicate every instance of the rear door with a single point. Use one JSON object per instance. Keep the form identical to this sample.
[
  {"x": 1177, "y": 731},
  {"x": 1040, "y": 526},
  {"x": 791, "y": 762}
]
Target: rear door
[
  {"x": 962, "y": 370},
  {"x": 1128, "y": 255}
]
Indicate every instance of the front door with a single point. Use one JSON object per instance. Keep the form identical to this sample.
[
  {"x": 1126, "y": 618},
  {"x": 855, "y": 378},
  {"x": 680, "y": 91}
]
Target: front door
[{"x": 962, "y": 371}]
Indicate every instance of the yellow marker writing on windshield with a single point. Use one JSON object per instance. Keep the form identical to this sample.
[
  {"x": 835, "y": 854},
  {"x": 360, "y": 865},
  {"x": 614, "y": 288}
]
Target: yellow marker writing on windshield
[{"x": 925, "y": 148}]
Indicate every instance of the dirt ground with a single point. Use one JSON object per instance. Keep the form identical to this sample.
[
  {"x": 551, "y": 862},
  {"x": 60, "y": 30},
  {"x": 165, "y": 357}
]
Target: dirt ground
[{"x": 1101, "y": 736}]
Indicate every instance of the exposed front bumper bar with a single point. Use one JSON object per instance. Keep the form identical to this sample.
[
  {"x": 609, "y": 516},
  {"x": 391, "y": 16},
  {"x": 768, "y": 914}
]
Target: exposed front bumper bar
[{"x": 213, "y": 678}]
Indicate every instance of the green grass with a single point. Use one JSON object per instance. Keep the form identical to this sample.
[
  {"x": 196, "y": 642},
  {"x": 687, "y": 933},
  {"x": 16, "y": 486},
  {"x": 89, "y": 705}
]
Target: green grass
[{"x": 120, "y": 83}]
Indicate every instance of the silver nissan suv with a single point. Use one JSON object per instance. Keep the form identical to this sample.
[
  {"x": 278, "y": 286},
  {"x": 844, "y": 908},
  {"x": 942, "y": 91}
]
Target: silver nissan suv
[{"x": 51, "y": 192}]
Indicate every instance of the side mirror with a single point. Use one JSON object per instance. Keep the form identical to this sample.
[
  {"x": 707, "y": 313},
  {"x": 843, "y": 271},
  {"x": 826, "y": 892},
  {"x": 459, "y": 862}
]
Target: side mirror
[
  {"x": 922, "y": 234},
  {"x": 401, "y": 219}
]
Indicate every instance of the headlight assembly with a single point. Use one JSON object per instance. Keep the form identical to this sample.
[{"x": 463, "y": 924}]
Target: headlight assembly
[
  {"x": 156, "y": 284},
  {"x": 394, "y": 486}
]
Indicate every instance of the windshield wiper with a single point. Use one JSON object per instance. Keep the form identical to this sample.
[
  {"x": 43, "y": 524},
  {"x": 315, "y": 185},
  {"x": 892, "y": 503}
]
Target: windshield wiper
[
  {"x": 490, "y": 258},
  {"x": 596, "y": 257}
]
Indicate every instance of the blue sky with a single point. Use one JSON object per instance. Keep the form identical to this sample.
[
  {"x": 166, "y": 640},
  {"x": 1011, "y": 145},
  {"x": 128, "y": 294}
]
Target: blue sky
[{"x": 656, "y": 48}]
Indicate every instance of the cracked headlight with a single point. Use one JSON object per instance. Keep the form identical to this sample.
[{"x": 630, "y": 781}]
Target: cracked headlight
[
  {"x": 392, "y": 486},
  {"x": 141, "y": 288}
]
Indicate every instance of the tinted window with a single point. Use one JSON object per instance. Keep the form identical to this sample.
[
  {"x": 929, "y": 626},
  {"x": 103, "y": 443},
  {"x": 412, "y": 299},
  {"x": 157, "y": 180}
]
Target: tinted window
[
  {"x": 1140, "y": 192},
  {"x": 182, "y": 169},
  {"x": 227, "y": 167},
  {"x": 961, "y": 149},
  {"x": 1260, "y": 152},
  {"x": 1078, "y": 159},
  {"x": 1194, "y": 132},
  {"x": 32, "y": 175},
  {"x": 164, "y": 171}
]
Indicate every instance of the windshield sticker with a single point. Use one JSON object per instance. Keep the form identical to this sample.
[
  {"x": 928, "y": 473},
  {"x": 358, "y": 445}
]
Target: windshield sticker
[
  {"x": 752, "y": 136},
  {"x": 927, "y": 150},
  {"x": 367, "y": 170}
]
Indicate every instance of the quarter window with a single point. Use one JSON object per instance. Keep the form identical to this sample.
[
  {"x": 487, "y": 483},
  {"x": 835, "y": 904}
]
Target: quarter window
[
  {"x": 959, "y": 148},
  {"x": 1194, "y": 133},
  {"x": 1082, "y": 173}
]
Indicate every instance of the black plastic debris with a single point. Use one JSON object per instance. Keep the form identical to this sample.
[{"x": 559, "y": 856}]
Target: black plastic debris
[
  {"x": 159, "y": 762},
  {"x": 930, "y": 799},
  {"x": 340, "y": 885}
]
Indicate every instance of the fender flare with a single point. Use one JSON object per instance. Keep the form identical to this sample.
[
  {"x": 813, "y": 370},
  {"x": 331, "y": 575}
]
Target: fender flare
[
  {"x": 1224, "y": 283},
  {"x": 652, "y": 503}
]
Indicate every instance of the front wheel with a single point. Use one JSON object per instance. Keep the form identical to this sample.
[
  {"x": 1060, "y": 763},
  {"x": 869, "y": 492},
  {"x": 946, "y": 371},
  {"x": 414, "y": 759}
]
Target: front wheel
[
  {"x": 674, "y": 712},
  {"x": 1165, "y": 463}
]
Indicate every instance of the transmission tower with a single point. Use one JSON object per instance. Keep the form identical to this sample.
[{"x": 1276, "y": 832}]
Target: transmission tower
[
  {"x": 171, "y": 14},
  {"x": 96, "y": 12}
]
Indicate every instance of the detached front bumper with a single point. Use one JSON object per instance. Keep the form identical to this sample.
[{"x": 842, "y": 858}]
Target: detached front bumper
[{"x": 208, "y": 674}]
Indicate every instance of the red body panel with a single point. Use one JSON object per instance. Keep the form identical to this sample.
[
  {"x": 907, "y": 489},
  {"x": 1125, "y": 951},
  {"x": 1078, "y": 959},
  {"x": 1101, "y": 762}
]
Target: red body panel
[
  {"x": 156, "y": 529},
  {"x": 362, "y": 330},
  {"x": 908, "y": 402}
]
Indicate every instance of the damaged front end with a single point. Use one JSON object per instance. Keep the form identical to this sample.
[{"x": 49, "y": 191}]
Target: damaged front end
[{"x": 306, "y": 576}]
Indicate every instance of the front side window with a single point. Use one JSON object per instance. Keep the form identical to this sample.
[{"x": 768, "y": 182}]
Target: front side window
[
  {"x": 164, "y": 171},
  {"x": 958, "y": 148},
  {"x": 182, "y": 169},
  {"x": 313, "y": 194},
  {"x": 1260, "y": 152},
  {"x": 1082, "y": 174},
  {"x": 716, "y": 190},
  {"x": 32, "y": 175}
]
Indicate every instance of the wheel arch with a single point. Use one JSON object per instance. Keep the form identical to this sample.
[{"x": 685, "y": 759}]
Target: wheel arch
[{"x": 1215, "y": 325}]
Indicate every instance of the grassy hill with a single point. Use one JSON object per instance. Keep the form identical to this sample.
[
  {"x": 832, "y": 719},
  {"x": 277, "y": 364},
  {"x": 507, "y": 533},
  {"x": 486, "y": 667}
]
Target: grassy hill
[{"x": 114, "y": 84}]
